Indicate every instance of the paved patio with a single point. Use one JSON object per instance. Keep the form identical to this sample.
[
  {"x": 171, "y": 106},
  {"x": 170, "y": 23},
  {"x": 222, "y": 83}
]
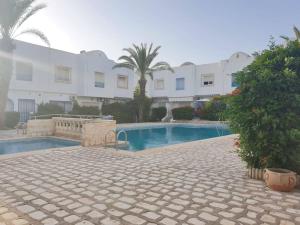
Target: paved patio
[{"x": 196, "y": 183}]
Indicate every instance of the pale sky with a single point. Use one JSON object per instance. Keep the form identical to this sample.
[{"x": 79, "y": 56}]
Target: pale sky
[{"x": 188, "y": 30}]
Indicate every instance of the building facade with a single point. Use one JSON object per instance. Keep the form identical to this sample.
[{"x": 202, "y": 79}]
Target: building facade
[
  {"x": 190, "y": 83},
  {"x": 43, "y": 75}
]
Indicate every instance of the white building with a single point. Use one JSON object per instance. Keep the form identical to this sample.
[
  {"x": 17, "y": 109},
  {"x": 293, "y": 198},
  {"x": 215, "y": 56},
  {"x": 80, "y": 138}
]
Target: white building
[
  {"x": 190, "y": 82},
  {"x": 44, "y": 75}
]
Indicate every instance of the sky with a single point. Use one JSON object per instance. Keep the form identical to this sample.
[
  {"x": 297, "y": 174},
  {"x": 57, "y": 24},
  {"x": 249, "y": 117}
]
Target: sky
[{"x": 198, "y": 31}]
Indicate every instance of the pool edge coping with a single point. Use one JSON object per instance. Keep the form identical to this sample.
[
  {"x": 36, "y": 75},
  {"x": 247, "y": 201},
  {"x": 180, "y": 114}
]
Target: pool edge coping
[{"x": 158, "y": 150}]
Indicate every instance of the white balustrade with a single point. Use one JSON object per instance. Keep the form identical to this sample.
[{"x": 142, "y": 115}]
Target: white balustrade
[{"x": 69, "y": 127}]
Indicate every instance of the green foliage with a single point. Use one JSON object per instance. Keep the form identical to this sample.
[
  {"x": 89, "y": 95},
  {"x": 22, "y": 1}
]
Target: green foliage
[
  {"x": 158, "y": 113},
  {"x": 49, "y": 108},
  {"x": 11, "y": 119},
  {"x": 85, "y": 110},
  {"x": 129, "y": 112},
  {"x": 122, "y": 112},
  {"x": 183, "y": 113},
  {"x": 265, "y": 110},
  {"x": 13, "y": 14},
  {"x": 214, "y": 109},
  {"x": 141, "y": 60},
  {"x": 141, "y": 103}
]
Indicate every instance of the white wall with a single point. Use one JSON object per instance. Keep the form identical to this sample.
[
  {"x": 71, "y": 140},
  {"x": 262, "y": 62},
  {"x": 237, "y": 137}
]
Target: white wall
[
  {"x": 193, "y": 78},
  {"x": 43, "y": 87}
]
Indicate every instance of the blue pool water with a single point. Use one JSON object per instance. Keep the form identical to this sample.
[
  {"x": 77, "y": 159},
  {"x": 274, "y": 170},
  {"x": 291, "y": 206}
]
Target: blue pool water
[
  {"x": 32, "y": 144},
  {"x": 143, "y": 138}
]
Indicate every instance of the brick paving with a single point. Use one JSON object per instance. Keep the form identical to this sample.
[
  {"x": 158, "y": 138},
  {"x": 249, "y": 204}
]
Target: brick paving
[{"x": 194, "y": 183}]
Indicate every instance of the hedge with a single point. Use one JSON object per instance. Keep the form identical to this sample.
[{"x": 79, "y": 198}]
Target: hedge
[
  {"x": 183, "y": 113},
  {"x": 122, "y": 112},
  {"x": 265, "y": 110},
  {"x": 158, "y": 113},
  {"x": 85, "y": 110},
  {"x": 11, "y": 119},
  {"x": 49, "y": 108},
  {"x": 214, "y": 109}
]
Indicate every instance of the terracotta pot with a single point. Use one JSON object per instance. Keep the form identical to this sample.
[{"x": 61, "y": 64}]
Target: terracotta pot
[{"x": 280, "y": 179}]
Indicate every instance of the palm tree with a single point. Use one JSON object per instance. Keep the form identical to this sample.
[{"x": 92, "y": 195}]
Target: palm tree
[
  {"x": 140, "y": 60},
  {"x": 13, "y": 14},
  {"x": 297, "y": 34}
]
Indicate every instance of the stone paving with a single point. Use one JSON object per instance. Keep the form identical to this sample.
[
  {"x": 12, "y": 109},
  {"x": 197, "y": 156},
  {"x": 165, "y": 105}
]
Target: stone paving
[{"x": 194, "y": 183}]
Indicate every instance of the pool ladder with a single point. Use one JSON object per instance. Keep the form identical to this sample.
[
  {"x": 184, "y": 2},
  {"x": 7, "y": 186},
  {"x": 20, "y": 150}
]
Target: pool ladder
[{"x": 117, "y": 135}]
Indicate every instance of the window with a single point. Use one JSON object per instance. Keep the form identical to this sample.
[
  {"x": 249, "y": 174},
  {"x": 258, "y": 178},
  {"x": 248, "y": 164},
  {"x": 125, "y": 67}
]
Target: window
[
  {"x": 62, "y": 74},
  {"x": 99, "y": 80},
  {"x": 122, "y": 82},
  {"x": 179, "y": 84},
  {"x": 208, "y": 79},
  {"x": 234, "y": 82},
  {"x": 23, "y": 71},
  {"x": 159, "y": 84}
]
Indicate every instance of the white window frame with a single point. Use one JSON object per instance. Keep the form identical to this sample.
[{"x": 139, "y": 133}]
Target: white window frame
[
  {"x": 119, "y": 84},
  {"x": 57, "y": 80},
  {"x": 210, "y": 82},
  {"x": 19, "y": 74},
  {"x": 103, "y": 79},
  {"x": 158, "y": 85}
]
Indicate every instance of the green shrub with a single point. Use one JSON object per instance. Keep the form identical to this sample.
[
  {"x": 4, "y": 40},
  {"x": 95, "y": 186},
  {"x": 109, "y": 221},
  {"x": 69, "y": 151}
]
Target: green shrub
[
  {"x": 84, "y": 110},
  {"x": 265, "y": 110},
  {"x": 214, "y": 109},
  {"x": 141, "y": 102},
  {"x": 11, "y": 119},
  {"x": 129, "y": 112},
  {"x": 49, "y": 108},
  {"x": 122, "y": 112},
  {"x": 158, "y": 113},
  {"x": 183, "y": 113}
]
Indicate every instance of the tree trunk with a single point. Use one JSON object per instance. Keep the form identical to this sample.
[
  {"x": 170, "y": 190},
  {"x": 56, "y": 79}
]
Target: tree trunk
[
  {"x": 6, "y": 69},
  {"x": 142, "y": 83}
]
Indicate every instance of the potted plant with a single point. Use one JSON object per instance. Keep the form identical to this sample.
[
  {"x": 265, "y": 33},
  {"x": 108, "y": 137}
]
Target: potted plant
[
  {"x": 280, "y": 179},
  {"x": 265, "y": 112}
]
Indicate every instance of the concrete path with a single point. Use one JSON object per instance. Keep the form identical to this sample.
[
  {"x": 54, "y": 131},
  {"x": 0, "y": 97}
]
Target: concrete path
[{"x": 194, "y": 183}]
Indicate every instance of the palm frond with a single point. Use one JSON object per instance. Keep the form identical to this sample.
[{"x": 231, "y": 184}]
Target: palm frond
[
  {"x": 127, "y": 59},
  {"x": 140, "y": 58},
  {"x": 162, "y": 66},
  {"x": 32, "y": 11},
  {"x": 123, "y": 65},
  {"x": 152, "y": 55},
  {"x": 285, "y": 37},
  {"x": 37, "y": 33},
  {"x": 297, "y": 32},
  {"x": 150, "y": 74},
  {"x": 13, "y": 13}
]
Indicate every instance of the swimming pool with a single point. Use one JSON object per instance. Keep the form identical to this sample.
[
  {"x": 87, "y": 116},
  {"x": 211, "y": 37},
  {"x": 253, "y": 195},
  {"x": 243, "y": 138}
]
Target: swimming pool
[
  {"x": 32, "y": 144},
  {"x": 152, "y": 137}
]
